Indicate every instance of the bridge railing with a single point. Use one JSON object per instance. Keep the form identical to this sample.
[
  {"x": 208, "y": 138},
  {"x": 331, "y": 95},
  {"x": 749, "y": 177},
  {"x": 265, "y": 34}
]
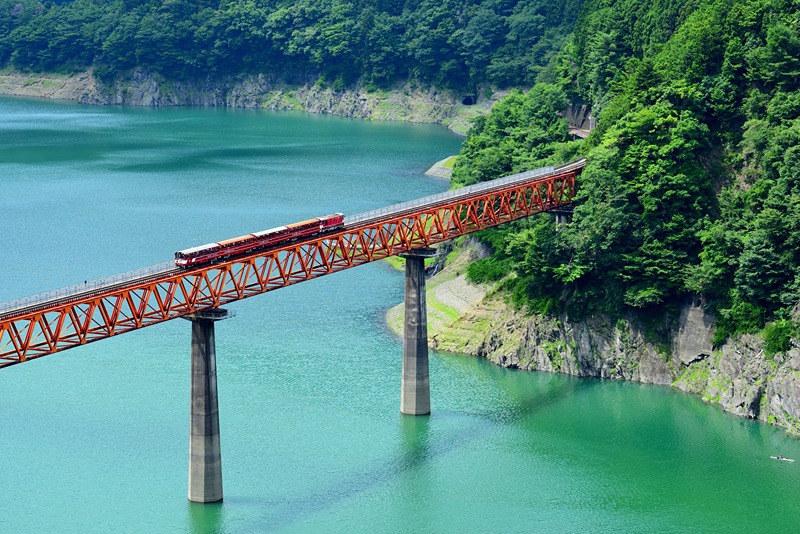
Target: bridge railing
[
  {"x": 443, "y": 197},
  {"x": 44, "y": 324},
  {"x": 106, "y": 283},
  {"x": 86, "y": 287}
]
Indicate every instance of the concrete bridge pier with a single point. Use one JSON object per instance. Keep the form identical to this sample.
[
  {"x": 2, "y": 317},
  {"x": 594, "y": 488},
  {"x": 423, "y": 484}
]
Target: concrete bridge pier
[
  {"x": 563, "y": 215},
  {"x": 415, "y": 391},
  {"x": 205, "y": 458}
]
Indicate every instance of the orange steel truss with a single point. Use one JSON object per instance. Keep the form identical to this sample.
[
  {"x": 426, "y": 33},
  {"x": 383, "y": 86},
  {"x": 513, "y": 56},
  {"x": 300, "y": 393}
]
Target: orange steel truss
[{"x": 63, "y": 325}]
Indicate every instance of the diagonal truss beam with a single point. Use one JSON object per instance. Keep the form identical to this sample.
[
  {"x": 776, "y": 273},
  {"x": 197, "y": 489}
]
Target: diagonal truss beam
[{"x": 65, "y": 324}]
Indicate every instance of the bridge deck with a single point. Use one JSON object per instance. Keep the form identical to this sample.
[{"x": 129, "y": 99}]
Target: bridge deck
[{"x": 54, "y": 321}]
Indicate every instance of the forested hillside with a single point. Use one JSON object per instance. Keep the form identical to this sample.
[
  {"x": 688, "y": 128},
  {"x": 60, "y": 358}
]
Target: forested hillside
[
  {"x": 373, "y": 42},
  {"x": 693, "y": 184}
]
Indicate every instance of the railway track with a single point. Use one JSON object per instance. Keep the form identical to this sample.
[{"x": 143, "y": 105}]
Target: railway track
[{"x": 162, "y": 271}]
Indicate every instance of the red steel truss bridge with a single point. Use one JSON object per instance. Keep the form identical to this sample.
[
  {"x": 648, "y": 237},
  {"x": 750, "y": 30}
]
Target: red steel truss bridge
[{"x": 51, "y": 322}]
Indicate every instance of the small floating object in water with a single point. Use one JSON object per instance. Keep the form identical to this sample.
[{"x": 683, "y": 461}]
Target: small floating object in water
[{"x": 781, "y": 458}]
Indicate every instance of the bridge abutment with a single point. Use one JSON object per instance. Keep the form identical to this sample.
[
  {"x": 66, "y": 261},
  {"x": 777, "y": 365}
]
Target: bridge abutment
[
  {"x": 415, "y": 394},
  {"x": 205, "y": 457}
]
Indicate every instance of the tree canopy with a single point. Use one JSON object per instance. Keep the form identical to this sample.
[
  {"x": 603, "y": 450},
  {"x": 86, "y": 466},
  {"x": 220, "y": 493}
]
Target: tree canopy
[
  {"x": 378, "y": 42},
  {"x": 693, "y": 181}
]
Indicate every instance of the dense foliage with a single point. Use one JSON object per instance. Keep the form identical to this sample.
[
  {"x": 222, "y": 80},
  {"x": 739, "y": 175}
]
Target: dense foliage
[
  {"x": 522, "y": 131},
  {"x": 444, "y": 42},
  {"x": 693, "y": 184}
]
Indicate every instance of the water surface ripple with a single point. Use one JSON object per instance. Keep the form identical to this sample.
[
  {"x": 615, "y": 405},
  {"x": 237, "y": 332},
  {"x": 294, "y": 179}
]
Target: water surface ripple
[{"x": 95, "y": 438}]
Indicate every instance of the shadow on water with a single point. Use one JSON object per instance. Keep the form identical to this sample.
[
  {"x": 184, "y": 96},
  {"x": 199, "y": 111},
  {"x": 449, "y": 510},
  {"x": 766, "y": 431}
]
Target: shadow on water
[
  {"x": 417, "y": 446},
  {"x": 205, "y": 518},
  {"x": 415, "y": 443},
  {"x": 188, "y": 159}
]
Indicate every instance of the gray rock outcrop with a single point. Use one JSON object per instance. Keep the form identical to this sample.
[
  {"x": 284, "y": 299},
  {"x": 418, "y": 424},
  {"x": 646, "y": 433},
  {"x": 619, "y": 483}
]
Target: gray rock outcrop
[
  {"x": 260, "y": 91},
  {"x": 739, "y": 376}
]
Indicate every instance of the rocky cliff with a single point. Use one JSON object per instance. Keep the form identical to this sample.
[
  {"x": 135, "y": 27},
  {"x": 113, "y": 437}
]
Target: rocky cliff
[
  {"x": 406, "y": 103},
  {"x": 739, "y": 376}
]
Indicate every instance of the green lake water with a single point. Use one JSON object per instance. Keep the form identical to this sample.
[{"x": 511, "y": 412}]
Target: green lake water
[{"x": 95, "y": 439}]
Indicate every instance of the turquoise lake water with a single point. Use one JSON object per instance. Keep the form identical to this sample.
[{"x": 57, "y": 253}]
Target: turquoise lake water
[{"x": 95, "y": 439}]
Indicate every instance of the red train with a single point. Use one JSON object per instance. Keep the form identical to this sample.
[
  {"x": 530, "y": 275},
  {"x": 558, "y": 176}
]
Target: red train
[{"x": 260, "y": 240}]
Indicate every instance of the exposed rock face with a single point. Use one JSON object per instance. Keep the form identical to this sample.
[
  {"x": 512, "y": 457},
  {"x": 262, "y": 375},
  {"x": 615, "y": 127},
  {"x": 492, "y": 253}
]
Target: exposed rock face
[
  {"x": 250, "y": 91},
  {"x": 780, "y": 403},
  {"x": 746, "y": 382},
  {"x": 581, "y": 121},
  {"x": 738, "y": 376},
  {"x": 590, "y": 348},
  {"x": 80, "y": 87},
  {"x": 695, "y": 331}
]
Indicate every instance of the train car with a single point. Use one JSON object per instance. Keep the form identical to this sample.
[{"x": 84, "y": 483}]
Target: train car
[
  {"x": 265, "y": 239},
  {"x": 331, "y": 222},
  {"x": 315, "y": 226}
]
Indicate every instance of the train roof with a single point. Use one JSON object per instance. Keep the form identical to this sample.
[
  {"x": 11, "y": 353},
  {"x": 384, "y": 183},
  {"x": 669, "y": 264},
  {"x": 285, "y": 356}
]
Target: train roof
[
  {"x": 197, "y": 249},
  {"x": 271, "y": 231},
  {"x": 292, "y": 226},
  {"x": 235, "y": 239}
]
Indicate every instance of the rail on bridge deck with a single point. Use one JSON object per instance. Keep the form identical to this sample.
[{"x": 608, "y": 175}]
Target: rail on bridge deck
[{"x": 44, "y": 324}]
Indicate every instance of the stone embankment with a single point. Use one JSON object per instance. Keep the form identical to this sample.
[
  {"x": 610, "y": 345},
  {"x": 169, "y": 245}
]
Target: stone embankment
[
  {"x": 405, "y": 103},
  {"x": 442, "y": 168},
  {"x": 739, "y": 376}
]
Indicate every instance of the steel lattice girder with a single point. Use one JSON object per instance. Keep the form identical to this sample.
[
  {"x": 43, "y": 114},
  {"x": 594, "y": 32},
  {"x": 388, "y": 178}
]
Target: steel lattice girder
[{"x": 69, "y": 324}]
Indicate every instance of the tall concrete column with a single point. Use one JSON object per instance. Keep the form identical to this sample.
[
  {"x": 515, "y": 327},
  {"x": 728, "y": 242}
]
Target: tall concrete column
[
  {"x": 205, "y": 458},
  {"x": 562, "y": 214},
  {"x": 415, "y": 391}
]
